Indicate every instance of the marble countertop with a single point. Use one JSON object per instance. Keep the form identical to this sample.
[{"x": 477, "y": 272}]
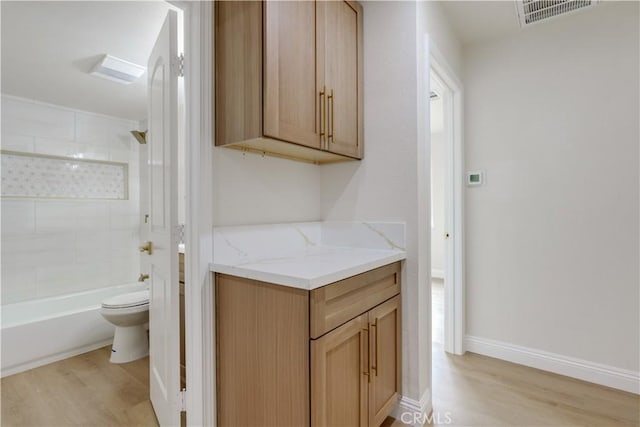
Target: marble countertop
[
  {"x": 306, "y": 255},
  {"x": 313, "y": 268}
]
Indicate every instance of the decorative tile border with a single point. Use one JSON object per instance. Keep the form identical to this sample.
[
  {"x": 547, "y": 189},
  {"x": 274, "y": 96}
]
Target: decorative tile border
[{"x": 42, "y": 176}]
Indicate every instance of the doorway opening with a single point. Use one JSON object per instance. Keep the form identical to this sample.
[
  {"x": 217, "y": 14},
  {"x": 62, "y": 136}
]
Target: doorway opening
[
  {"x": 447, "y": 287},
  {"x": 78, "y": 108},
  {"x": 438, "y": 210}
]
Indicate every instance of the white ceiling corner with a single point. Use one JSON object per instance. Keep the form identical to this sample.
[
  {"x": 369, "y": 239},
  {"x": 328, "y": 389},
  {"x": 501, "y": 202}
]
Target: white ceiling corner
[
  {"x": 478, "y": 20},
  {"x": 49, "y": 47}
]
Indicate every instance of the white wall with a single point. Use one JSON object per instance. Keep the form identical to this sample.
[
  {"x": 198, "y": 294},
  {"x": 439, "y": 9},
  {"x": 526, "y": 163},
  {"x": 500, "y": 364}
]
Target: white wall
[
  {"x": 56, "y": 246},
  {"x": 252, "y": 189},
  {"x": 392, "y": 182},
  {"x": 432, "y": 20},
  {"x": 552, "y": 238}
]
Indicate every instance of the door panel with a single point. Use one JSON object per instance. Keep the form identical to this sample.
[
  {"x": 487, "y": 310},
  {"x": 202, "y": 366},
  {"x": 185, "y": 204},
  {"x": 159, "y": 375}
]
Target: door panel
[
  {"x": 340, "y": 368},
  {"x": 384, "y": 388},
  {"x": 291, "y": 97},
  {"x": 164, "y": 321},
  {"x": 341, "y": 26}
]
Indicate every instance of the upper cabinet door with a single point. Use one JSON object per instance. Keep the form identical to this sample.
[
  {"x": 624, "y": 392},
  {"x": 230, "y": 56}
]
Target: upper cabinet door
[
  {"x": 238, "y": 71},
  {"x": 342, "y": 36},
  {"x": 291, "y": 95}
]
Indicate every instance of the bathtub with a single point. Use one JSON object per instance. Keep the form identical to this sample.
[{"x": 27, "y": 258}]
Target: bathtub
[{"x": 42, "y": 331}]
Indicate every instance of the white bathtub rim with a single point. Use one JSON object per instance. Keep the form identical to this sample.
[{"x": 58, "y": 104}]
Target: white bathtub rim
[
  {"x": 58, "y": 298},
  {"x": 32, "y": 364}
]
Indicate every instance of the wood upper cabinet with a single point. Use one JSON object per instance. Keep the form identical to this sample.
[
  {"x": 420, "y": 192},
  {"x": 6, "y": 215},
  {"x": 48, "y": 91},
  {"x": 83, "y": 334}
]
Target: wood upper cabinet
[{"x": 288, "y": 78}]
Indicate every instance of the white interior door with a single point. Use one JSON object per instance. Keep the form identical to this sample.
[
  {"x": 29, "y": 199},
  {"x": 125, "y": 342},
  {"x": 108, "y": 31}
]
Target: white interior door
[{"x": 164, "y": 332}]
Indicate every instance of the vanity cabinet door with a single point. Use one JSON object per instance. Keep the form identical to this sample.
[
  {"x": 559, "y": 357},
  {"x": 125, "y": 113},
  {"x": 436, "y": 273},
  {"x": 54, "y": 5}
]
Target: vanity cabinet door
[
  {"x": 339, "y": 375},
  {"x": 385, "y": 344}
]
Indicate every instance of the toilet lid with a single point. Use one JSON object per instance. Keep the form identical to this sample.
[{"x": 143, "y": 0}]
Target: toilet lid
[{"x": 131, "y": 299}]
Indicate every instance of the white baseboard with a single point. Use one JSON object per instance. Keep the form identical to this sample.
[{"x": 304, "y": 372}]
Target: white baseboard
[
  {"x": 415, "y": 411},
  {"x": 437, "y": 274},
  {"x": 597, "y": 373},
  {"x": 16, "y": 369}
]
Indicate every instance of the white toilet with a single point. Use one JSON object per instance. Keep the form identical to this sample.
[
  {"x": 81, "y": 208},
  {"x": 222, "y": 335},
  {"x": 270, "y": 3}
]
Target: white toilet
[{"x": 129, "y": 313}]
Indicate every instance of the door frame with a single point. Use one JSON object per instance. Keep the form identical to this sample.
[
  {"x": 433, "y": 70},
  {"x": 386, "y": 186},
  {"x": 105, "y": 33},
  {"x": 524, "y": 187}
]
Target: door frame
[
  {"x": 199, "y": 324},
  {"x": 454, "y": 290}
]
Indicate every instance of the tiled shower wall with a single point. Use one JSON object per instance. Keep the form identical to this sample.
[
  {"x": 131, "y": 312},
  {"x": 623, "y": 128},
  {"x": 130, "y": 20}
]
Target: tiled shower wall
[{"x": 59, "y": 246}]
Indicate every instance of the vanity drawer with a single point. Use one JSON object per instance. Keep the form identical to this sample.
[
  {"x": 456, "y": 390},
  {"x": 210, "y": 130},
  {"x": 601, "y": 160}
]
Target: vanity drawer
[{"x": 335, "y": 304}]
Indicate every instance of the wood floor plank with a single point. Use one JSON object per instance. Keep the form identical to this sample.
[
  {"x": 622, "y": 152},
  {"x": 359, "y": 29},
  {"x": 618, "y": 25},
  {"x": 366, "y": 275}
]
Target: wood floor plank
[
  {"x": 475, "y": 390},
  {"x": 482, "y": 391},
  {"x": 85, "y": 390}
]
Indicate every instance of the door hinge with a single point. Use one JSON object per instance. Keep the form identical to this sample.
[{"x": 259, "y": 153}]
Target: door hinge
[
  {"x": 182, "y": 400},
  {"x": 181, "y": 65}
]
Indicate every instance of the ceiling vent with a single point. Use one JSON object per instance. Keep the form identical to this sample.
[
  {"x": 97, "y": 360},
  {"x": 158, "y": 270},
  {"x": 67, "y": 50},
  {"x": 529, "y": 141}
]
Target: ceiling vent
[
  {"x": 118, "y": 70},
  {"x": 533, "y": 11}
]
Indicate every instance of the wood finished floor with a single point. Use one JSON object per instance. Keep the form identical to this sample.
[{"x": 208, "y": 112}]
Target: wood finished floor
[
  {"x": 476, "y": 390},
  {"x": 473, "y": 390},
  {"x": 85, "y": 390}
]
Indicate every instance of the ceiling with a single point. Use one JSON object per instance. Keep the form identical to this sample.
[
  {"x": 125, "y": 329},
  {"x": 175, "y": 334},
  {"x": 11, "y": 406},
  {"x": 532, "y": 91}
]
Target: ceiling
[
  {"x": 49, "y": 47},
  {"x": 480, "y": 20},
  {"x": 477, "y": 20}
]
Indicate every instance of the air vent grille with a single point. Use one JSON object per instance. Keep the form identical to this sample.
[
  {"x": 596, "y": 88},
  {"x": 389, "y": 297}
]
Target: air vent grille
[{"x": 532, "y": 11}]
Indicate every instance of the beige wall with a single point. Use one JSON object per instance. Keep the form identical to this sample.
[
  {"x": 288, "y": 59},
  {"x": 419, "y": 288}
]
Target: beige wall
[
  {"x": 552, "y": 238},
  {"x": 252, "y": 189}
]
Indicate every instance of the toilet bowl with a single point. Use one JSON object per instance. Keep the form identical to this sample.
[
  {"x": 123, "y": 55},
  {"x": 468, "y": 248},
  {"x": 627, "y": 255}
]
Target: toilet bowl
[{"x": 129, "y": 313}]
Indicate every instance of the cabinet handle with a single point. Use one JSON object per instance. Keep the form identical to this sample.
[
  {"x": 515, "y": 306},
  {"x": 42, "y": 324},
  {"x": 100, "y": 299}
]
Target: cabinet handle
[
  {"x": 323, "y": 107},
  {"x": 365, "y": 350},
  {"x": 330, "y": 98},
  {"x": 374, "y": 366}
]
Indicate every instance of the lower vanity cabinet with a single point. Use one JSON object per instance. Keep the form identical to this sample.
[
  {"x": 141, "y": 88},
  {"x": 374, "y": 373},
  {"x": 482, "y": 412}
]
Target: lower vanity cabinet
[
  {"x": 325, "y": 357},
  {"x": 357, "y": 362}
]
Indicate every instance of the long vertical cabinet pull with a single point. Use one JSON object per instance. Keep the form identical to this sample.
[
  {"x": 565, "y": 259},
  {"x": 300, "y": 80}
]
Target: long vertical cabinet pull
[
  {"x": 323, "y": 108},
  {"x": 374, "y": 363},
  {"x": 330, "y": 127},
  {"x": 365, "y": 353}
]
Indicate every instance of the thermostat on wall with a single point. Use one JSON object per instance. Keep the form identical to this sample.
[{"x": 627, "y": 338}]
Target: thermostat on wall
[{"x": 475, "y": 178}]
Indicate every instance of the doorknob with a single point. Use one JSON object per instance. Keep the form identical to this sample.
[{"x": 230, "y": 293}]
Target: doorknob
[
  {"x": 446, "y": 235},
  {"x": 143, "y": 277},
  {"x": 147, "y": 247}
]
